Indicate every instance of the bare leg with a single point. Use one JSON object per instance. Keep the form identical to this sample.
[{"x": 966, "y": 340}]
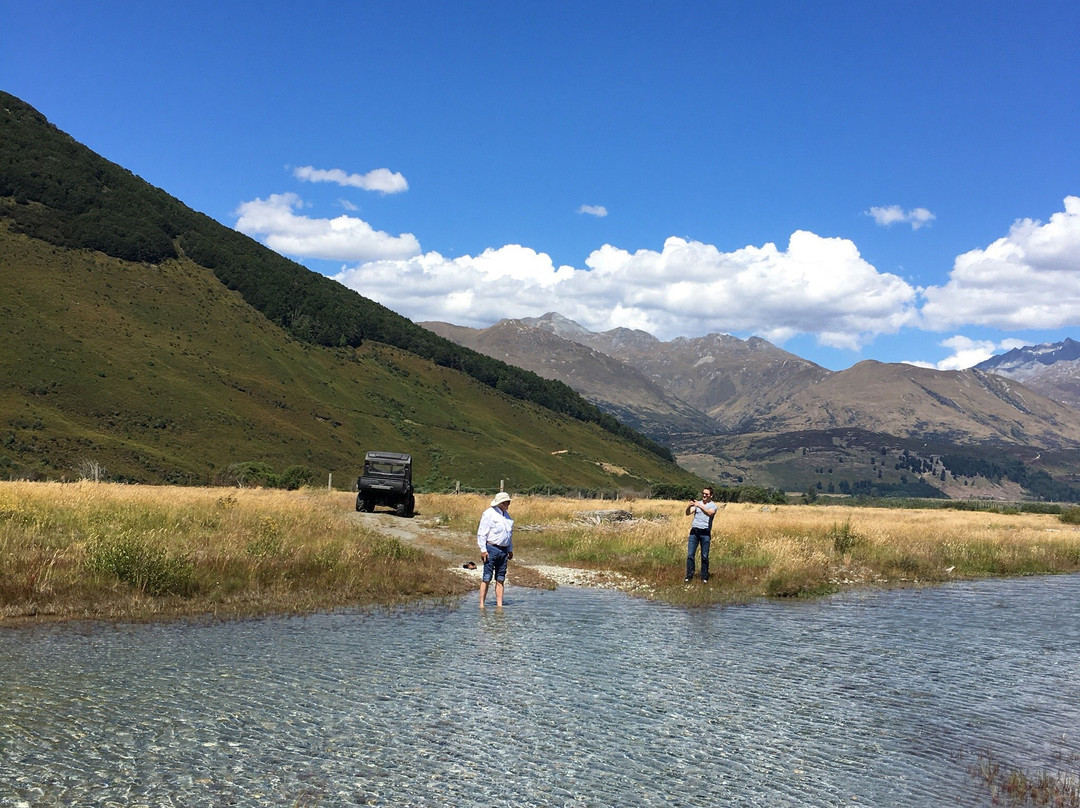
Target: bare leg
[
  {"x": 498, "y": 593},
  {"x": 483, "y": 593}
]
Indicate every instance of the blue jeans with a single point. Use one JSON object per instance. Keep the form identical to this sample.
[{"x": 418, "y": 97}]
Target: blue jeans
[
  {"x": 698, "y": 538},
  {"x": 495, "y": 564}
]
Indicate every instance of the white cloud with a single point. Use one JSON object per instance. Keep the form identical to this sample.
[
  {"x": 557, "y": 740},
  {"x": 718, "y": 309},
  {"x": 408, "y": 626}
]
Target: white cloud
[
  {"x": 894, "y": 214},
  {"x": 344, "y": 238},
  {"x": 511, "y": 281},
  {"x": 593, "y": 210},
  {"x": 382, "y": 180},
  {"x": 817, "y": 285},
  {"x": 1029, "y": 279}
]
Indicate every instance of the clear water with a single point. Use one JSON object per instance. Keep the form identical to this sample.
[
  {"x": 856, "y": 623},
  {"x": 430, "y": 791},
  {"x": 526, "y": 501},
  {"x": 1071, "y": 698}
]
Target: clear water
[{"x": 567, "y": 698}]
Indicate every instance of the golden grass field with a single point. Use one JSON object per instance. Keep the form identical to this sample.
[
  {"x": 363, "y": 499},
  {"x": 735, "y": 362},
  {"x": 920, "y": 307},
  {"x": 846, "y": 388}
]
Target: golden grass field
[
  {"x": 80, "y": 550},
  {"x": 87, "y": 550}
]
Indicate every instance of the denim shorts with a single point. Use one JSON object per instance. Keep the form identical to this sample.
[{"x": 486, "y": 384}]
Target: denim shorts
[{"x": 496, "y": 563}]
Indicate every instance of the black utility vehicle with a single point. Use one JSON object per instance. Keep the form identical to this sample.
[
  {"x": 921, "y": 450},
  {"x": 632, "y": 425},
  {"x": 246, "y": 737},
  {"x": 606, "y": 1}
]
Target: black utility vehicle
[{"x": 387, "y": 480}]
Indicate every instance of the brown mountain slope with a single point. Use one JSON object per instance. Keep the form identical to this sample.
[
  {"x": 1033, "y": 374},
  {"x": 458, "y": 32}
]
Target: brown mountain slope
[
  {"x": 788, "y": 423},
  {"x": 614, "y": 386},
  {"x": 734, "y": 381},
  {"x": 966, "y": 406}
]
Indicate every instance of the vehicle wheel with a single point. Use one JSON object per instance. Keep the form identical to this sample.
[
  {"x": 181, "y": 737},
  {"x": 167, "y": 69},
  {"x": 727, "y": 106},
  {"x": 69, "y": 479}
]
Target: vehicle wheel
[
  {"x": 359, "y": 503},
  {"x": 410, "y": 507},
  {"x": 367, "y": 506},
  {"x": 399, "y": 508}
]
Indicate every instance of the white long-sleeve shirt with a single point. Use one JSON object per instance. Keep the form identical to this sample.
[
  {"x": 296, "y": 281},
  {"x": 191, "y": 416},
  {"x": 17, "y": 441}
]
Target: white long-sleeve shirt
[{"x": 495, "y": 528}]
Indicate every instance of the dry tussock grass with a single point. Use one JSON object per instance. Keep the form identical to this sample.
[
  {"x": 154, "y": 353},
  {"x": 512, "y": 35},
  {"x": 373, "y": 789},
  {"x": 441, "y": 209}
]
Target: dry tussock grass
[{"x": 92, "y": 550}]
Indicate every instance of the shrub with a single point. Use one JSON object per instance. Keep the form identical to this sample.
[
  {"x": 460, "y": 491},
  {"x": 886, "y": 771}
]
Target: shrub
[
  {"x": 149, "y": 569},
  {"x": 843, "y": 537},
  {"x": 1070, "y": 516},
  {"x": 295, "y": 477},
  {"x": 676, "y": 491}
]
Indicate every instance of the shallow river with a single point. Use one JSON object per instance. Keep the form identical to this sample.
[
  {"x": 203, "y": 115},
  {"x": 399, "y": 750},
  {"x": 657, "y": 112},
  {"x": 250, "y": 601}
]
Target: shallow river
[{"x": 574, "y": 697}]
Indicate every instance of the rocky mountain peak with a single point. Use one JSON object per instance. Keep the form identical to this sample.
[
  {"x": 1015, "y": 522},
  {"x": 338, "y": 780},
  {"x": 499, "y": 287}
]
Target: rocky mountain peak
[
  {"x": 1052, "y": 369},
  {"x": 1019, "y": 359},
  {"x": 557, "y": 324}
]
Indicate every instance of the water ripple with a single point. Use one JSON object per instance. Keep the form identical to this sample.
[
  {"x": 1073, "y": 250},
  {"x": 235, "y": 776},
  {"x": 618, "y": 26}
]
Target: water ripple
[{"x": 567, "y": 698}]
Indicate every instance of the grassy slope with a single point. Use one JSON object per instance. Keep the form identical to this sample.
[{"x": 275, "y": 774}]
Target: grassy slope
[
  {"x": 55, "y": 189},
  {"x": 159, "y": 373}
]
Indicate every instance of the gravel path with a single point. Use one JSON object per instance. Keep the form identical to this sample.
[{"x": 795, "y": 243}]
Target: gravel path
[{"x": 429, "y": 535}]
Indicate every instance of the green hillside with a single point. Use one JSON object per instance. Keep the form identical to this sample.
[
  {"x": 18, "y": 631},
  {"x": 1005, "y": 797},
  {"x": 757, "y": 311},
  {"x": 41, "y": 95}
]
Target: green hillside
[
  {"x": 148, "y": 365},
  {"x": 63, "y": 193}
]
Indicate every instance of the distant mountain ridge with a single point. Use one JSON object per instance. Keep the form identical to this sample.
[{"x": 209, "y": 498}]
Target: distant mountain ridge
[
  {"x": 1052, "y": 369},
  {"x": 755, "y": 393},
  {"x": 616, "y": 387}
]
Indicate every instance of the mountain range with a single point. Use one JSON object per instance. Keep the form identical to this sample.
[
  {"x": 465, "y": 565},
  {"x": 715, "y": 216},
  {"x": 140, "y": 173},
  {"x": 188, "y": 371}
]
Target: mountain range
[{"x": 746, "y": 410}]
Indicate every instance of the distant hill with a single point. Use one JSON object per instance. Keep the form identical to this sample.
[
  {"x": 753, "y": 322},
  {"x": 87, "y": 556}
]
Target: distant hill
[
  {"x": 1052, "y": 369},
  {"x": 782, "y": 421},
  {"x": 145, "y": 337},
  {"x": 735, "y": 382},
  {"x": 616, "y": 387}
]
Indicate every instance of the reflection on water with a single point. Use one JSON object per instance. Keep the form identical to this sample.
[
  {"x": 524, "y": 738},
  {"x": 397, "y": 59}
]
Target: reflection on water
[{"x": 574, "y": 697}]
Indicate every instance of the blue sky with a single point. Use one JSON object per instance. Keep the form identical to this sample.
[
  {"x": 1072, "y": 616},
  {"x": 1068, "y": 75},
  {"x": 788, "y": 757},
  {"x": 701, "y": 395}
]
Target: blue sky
[{"x": 850, "y": 180}]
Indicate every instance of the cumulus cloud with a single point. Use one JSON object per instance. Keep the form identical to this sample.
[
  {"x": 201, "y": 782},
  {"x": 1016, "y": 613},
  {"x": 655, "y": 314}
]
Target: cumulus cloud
[
  {"x": 967, "y": 352},
  {"x": 1029, "y": 279},
  {"x": 894, "y": 214},
  {"x": 382, "y": 180},
  {"x": 344, "y": 238},
  {"x": 817, "y": 285},
  {"x": 593, "y": 210}
]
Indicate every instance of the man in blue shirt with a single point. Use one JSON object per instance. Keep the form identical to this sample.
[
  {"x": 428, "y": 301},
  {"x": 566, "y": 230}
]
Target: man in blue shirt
[{"x": 700, "y": 533}]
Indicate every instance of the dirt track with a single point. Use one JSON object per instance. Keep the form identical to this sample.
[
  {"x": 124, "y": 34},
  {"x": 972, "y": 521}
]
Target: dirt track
[{"x": 457, "y": 549}]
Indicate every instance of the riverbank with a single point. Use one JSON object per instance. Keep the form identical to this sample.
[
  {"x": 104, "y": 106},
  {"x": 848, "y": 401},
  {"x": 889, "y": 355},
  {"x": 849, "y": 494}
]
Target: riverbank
[{"x": 86, "y": 550}]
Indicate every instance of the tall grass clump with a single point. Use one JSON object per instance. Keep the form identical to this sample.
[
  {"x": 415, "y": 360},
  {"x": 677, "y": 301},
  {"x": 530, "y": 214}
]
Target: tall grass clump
[
  {"x": 843, "y": 537},
  {"x": 149, "y": 569},
  {"x": 1011, "y": 786}
]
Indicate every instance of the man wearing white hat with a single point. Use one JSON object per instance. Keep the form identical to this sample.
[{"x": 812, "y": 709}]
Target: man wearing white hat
[{"x": 495, "y": 538}]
